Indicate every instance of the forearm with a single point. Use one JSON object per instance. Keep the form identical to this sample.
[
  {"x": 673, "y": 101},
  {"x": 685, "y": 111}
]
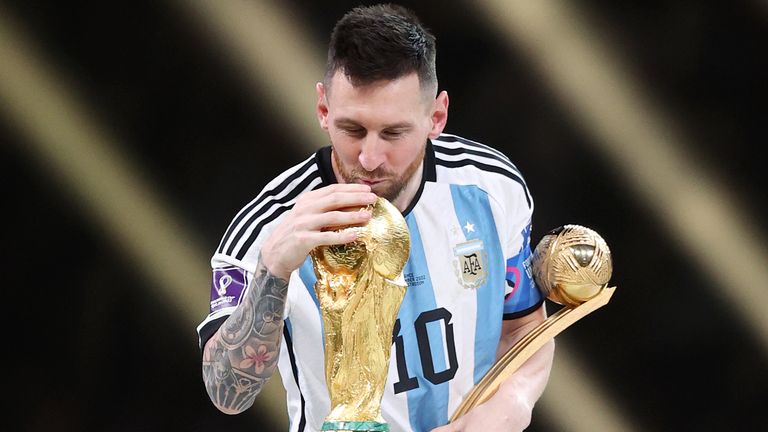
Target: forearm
[
  {"x": 509, "y": 409},
  {"x": 242, "y": 355},
  {"x": 518, "y": 394}
]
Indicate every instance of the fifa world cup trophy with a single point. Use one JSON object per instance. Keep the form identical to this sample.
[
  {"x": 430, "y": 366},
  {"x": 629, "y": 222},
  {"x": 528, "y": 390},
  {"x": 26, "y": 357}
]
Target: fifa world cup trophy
[
  {"x": 360, "y": 287},
  {"x": 572, "y": 266}
]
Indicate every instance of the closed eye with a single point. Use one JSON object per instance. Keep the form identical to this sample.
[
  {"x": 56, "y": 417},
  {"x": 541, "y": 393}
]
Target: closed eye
[
  {"x": 393, "y": 134},
  {"x": 355, "y": 132}
]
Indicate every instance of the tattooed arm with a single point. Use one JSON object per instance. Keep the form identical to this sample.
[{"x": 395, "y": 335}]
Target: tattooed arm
[{"x": 242, "y": 355}]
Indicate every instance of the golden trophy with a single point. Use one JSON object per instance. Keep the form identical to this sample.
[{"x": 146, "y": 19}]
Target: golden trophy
[
  {"x": 360, "y": 287},
  {"x": 572, "y": 266}
]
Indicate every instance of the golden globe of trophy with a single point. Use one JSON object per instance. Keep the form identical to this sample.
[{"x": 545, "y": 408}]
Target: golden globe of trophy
[
  {"x": 571, "y": 266},
  {"x": 360, "y": 287}
]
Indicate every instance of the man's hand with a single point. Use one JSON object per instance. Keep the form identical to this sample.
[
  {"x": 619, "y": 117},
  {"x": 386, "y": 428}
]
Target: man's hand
[
  {"x": 302, "y": 230},
  {"x": 503, "y": 412},
  {"x": 510, "y": 408}
]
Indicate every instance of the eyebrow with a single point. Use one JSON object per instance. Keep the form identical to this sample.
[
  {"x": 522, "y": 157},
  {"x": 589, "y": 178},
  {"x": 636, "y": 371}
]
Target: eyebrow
[
  {"x": 345, "y": 121},
  {"x": 339, "y": 122}
]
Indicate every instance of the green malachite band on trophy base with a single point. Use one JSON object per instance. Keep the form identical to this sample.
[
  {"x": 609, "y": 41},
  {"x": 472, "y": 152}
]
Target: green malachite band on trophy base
[{"x": 359, "y": 426}]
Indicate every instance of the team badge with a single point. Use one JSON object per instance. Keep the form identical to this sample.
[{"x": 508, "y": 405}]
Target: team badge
[{"x": 469, "y": 260}]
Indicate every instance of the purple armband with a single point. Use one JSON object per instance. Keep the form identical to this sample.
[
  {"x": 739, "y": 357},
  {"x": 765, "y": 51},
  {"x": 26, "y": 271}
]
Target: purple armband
[{"x": 227, "y": 287}]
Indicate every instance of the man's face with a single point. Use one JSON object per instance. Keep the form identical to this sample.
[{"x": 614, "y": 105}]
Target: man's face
[{"x": 379, "y": 131}]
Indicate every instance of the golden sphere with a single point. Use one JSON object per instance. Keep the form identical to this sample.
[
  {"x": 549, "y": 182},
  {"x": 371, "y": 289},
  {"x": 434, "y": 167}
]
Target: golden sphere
[
  {"x": 384, "y": 240},
  {"x": 572, "y": 264}
]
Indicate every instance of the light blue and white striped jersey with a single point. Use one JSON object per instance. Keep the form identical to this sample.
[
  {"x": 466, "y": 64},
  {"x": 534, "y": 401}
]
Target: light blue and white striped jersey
[{"x": 468, "y": 270}]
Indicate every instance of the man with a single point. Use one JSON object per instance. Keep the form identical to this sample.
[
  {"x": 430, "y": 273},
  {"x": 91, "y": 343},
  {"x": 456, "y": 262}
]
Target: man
[{"x": 470, "y": 295}]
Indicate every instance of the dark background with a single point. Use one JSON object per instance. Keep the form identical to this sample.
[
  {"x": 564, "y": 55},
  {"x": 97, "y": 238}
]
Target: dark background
[{"x": 89, "y": 346}]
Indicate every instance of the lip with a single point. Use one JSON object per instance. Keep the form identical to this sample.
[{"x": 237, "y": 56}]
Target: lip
[{"x": 370, "y": 182}]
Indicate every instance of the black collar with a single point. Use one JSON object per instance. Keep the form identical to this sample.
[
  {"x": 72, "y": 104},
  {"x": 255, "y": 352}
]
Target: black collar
[{"x": 429, "y": 173}]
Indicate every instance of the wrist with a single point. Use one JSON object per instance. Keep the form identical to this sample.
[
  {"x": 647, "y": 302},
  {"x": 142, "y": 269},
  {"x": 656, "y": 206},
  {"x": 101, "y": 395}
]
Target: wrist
[
  {"x": 514, "y": 400},
  {"x": 273, "y": 268},
  {"x": 515, "y": 391}
]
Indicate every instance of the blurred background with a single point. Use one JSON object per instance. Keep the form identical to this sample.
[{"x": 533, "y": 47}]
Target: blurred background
[{"x": 132, "y": 132}]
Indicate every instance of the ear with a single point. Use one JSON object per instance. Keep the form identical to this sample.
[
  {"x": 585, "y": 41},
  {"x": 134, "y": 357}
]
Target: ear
[
  {"x": 322, "y": 106},
  {"x": 439, "y": 115}
]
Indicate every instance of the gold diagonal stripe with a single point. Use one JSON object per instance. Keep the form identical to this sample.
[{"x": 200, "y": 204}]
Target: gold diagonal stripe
[
  {"x": 86, "y": 160},
  {"x": 279, "y": 62},
  {"x": 643, "y": 142}
]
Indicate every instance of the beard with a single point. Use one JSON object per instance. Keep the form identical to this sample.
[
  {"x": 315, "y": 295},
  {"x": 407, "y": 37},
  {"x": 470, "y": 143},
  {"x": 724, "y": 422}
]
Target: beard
[{"x": 392, "y": 185}]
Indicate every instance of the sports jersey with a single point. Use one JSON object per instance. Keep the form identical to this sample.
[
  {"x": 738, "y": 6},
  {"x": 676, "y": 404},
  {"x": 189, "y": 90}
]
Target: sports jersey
[{"x": 468, "y": 270}]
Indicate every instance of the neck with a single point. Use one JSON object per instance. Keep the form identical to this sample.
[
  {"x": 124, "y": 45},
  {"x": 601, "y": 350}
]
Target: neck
[{"x": 406, "y": 196}]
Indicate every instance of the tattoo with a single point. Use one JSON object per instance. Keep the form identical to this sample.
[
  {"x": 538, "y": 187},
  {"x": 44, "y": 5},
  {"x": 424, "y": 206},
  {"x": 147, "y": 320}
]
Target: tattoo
[{"x": 242, "y": 355}]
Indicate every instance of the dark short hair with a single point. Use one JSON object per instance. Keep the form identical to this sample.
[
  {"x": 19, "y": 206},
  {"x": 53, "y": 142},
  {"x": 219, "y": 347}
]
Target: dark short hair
[{"x": 381, "y": 42}]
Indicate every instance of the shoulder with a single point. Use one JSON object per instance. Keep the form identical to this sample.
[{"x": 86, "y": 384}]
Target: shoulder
[
  {"x": 462, "y": 161},
  {"x": 295, "y": 179},
  {"x": 242, "y": 239}
]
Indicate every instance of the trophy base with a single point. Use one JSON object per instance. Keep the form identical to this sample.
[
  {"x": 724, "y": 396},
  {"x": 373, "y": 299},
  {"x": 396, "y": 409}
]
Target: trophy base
[{"x": 359, "y": 426}]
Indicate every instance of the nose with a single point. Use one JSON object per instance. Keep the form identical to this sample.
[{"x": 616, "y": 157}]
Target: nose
[{"x": 372, "y": 153}]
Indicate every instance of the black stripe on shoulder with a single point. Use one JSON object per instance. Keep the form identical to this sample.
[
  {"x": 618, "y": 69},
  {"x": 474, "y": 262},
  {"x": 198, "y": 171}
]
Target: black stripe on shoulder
[
  {"x": 281, "y": 208},
  {"x": 489, "y": 168},
  {"x": 301, "y": 187},
  {"x": 482, "y": 154},
  {"x": 264, "y": 195},
  {"x": 454, "y": 138},
  {"x": 295, "y": 370}
]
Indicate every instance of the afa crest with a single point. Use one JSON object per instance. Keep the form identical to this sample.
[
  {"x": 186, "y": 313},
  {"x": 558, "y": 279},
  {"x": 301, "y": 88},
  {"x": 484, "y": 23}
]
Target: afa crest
[{"x": 469, "y": 261}]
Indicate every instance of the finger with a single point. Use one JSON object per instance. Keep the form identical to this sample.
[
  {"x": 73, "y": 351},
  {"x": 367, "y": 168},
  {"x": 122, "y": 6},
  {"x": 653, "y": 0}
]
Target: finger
[
  {"x": 333, "y": 219},
  {"x": 340, "y": 187},
  {"x": 335, "y": 201},
  {"x": 327, "y": 238}
]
